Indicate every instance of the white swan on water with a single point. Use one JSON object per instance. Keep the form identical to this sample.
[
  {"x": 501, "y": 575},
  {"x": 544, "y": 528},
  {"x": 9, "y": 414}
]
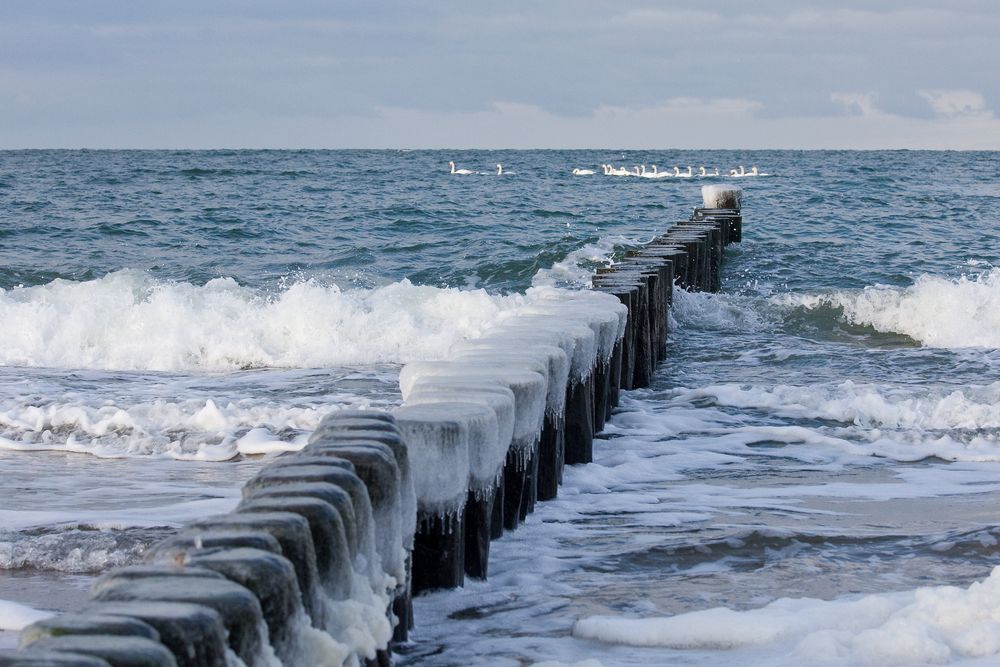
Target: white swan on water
[
  {"x": 499, "y": 169},
  {"x": 584, "y": 172},
  {"x": 738, "y": 173},
  {"x": 655, "y": 173},
  {"x": 704, "y": 172},
  {"x": 679, "y": 174},
  {"x": 463, "y": 172}
]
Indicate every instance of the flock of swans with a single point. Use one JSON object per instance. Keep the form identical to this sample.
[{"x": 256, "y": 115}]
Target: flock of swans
[
  {"x": 638, "y": 171},
  {"x": 641, "y": 172}
]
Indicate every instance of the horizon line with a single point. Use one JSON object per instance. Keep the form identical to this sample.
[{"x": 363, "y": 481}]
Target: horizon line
[{"x": 410, "y": 149}]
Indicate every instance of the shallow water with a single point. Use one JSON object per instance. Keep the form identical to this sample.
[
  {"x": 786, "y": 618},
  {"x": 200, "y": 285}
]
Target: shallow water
[{"x": 825, "y": 428}]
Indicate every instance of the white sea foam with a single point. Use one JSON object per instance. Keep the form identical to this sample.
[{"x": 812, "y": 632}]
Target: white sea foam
[
  {"x": 16, "y": 616},
  {"x": 934, "y": 311},
  {"x": 898, "y": 422},
  {"x": 872, "y": 406},
  {"x": 130, "y": 321},
  {"x": 931, "y": 625}
]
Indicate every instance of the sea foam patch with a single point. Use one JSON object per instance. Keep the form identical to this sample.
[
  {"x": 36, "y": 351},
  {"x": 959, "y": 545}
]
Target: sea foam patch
[
  {"x": 903, "y": 423},
  {"x": 930, "y": 625},
  {"x": 17, "y": 616}
]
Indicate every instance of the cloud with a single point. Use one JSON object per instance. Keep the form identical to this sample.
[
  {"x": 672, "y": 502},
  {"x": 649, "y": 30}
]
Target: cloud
[
  {"x": 658, "y": 19},
  {"x": 513, "y": 125},
  {"x": 684, "y": 123},
  {"x": 643, "y": 73},
  {"x": 859, "y": 103},
  {"x": 955, "y": 102},
  {"x": 681, "y": 123}
]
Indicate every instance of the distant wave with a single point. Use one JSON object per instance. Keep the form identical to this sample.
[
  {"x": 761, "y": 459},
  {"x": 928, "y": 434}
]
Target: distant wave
[
  {"x": 934, "y": 311},
  {"x": 207, "y": 171}
]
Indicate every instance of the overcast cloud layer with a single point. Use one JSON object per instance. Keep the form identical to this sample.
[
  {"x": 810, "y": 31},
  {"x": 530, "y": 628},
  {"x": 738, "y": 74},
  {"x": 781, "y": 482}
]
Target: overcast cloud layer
[{"x": 559, "y": 74}]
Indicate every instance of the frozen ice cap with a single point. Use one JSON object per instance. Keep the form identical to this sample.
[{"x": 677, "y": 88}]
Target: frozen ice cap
[{"x": 721, "y": 196}]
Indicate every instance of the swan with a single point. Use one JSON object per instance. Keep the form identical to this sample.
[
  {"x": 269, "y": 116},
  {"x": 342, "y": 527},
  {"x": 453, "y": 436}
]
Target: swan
[
  {"x": 584, "y": 172},
  {"x": 678, "y": 174},
  {"x": 653, "y": 174},
  {"x": 635, "y": 171},
  {"x": 753, "y": 172},
  {"x": 741, "y": 172},
  {"x": 619, "y": 172},
  {"x": 499, "y": 169},
  {"x": 458, "y": 171}
]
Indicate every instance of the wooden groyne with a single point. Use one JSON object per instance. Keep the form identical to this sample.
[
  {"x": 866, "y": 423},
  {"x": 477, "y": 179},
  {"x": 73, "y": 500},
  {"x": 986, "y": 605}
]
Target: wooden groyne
[{"x": 319, "y": 561}]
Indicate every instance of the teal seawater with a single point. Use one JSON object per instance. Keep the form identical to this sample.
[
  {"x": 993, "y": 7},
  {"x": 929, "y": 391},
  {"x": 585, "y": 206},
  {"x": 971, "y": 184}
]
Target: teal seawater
[{"x": 839, "y": 219}]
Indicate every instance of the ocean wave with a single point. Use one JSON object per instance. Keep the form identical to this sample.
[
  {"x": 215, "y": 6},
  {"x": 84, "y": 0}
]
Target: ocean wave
[
  {"x": 78, "y": 550},
  {"x": 717, "y": 312},
  {"x": 195, "y": 429},
  {"x": 935, "y": 311},
  {"x": 577, "y": 267},
  {"x": 128, "y": 320}
]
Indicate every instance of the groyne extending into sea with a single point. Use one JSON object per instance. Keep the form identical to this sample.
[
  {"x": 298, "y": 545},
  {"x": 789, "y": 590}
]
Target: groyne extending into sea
[{"x": 319, "y": 562}]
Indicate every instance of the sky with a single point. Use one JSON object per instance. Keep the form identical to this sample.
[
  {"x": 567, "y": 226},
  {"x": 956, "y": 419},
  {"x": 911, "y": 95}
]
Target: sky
[{"x": 512, "y": 74}]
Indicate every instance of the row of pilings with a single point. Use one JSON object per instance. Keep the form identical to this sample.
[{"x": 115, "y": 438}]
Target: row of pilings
[{"x": 318, "y": 563}]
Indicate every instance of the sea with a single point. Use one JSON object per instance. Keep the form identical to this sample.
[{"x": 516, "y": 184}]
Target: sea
[{"x": 813, "y": 476}]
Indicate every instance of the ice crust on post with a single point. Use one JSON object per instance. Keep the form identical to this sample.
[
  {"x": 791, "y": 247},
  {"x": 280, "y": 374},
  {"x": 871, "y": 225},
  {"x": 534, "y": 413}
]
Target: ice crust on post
[
  {"x": 576, "y": 339},
  {"x": 606, "y": 323},
  {"x": 438, "y": 438},
  {"x": 357, "y": 426},
  {"x": 529, "y": 388},
  {"x": 548, "y": 359},
  {"x": 721, "y": 196},
  {"x": 499, "y": 399},
  {"x": 482, "y": 434}
]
